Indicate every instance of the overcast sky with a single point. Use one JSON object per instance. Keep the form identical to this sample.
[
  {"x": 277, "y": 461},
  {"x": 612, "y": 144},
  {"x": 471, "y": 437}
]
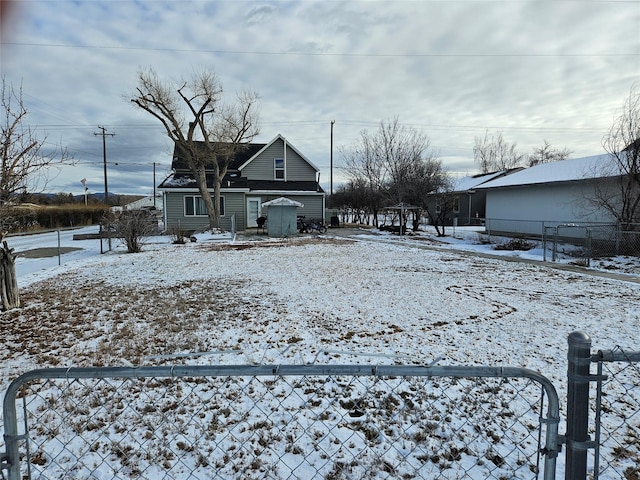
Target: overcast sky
[{"x": 533, "y": 69}]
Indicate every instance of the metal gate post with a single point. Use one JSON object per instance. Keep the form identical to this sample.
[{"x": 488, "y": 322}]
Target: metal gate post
[
  {"x": 577, "y": 436},
  {"x": 11, "y": 439}
]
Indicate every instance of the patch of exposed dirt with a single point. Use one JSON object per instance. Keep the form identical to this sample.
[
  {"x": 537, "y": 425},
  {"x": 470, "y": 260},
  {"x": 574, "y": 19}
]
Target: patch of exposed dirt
[
  {"x": 278, "y": 243},
  {"x": 46, "y": 252}
]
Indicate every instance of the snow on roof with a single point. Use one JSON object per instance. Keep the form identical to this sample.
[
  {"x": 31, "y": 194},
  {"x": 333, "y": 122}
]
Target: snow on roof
[
  {"x": 177, "y": 180},
  {"x": 467, "y": 183},
  {"x": 283, "y": 201},
  {"x": 596, "y": 166}
]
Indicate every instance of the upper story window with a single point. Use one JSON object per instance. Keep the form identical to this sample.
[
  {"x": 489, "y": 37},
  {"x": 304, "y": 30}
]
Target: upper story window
[{"x": 278, "y": 168}]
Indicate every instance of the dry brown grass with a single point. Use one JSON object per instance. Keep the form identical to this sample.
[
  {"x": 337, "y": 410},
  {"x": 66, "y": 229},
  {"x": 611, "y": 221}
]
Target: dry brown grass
[{"x": 99, "y": 325}]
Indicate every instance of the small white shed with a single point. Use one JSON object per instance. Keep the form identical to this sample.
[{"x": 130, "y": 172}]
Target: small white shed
[{"x": 282, "y": 217}]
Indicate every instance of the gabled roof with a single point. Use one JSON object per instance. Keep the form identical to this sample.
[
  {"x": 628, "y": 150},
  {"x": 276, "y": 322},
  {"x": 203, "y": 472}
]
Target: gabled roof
[
  {"x": 575, "y": 169},
  {"x": 242, "y": 157},
  {"x": 267, "y": 145},
  {"x": 283, "y": 201}
]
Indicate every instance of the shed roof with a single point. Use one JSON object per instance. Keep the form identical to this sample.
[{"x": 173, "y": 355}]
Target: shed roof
[{"x": 283, "y": 201}]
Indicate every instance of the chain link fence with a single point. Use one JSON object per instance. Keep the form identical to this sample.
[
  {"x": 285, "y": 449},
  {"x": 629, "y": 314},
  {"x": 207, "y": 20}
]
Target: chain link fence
[
  {"x": 304, "y": 421},
  {"x": 617, "y": 422},
  {"x": 580, "y": 243},
  {"x": 591, "y": 241}
]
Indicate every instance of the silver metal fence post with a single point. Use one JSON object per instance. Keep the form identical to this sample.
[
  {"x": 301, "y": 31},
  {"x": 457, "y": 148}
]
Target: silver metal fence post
[
  {"x": 577, "y": 436},
  {"x": 11, "y": 440}
]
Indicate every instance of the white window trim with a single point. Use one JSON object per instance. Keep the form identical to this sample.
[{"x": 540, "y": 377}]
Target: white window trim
[{"x": 283, "y": 169}]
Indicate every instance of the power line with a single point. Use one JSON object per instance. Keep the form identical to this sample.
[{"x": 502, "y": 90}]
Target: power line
[
  {"x": 330, "y": 54},
  {"x": 120, "y": 125}
]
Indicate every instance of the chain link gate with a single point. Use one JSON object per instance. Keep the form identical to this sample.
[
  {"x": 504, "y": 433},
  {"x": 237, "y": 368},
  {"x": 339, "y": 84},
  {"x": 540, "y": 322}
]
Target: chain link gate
[
  {"x": 617, "y": 414},
  {"x": 286, "y": 421},
  {"x": 603, "y": 412}
]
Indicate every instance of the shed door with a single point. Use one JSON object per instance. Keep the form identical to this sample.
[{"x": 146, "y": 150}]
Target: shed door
[{"x": 253, "y": 211}]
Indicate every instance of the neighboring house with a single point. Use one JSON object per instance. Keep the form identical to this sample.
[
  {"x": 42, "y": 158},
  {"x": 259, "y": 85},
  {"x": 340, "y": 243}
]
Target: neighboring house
[
  {"x": 548, "y": 195},
  {"x": 148, "y": 202},
  {"x": 465, "y": 202},
  {"x": 258, "y": 173}
]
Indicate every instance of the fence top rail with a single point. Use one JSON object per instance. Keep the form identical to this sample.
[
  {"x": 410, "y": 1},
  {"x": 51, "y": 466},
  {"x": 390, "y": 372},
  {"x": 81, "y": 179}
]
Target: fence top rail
[
  {"x": 72, "y": 374},
  {"x": 615, "y": 356},
  {"x": 285, "y": 370}
]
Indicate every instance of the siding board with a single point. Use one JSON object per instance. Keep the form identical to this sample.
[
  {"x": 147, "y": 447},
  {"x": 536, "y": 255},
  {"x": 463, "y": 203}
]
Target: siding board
[{"x": 296, "y": 168}]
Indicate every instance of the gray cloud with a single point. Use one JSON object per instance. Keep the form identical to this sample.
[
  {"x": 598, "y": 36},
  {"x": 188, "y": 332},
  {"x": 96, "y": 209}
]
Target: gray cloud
[{"x": 535, "y": 70}]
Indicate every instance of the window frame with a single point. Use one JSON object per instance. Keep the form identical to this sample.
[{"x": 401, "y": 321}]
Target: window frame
[
  {"x": 278, "y": 170},
  {"x": 196, "y": 201},
  {"x": 456, "y": 204}
]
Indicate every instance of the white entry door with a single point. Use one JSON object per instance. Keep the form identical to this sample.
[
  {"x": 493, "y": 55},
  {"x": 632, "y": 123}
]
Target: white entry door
[{"x": 253, "y": 211}]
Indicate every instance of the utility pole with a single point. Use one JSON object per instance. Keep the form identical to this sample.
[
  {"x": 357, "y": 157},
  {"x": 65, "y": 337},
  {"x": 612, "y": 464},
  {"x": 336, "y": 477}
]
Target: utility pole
[
  {"x": 104, "y": 159},
  {"x": 331, "y": 166},
  {"x": 154, "y": 184}
]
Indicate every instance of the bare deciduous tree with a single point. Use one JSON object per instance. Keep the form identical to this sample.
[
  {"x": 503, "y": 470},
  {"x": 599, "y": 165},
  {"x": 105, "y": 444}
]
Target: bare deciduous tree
[
  {"x": 426, "y": 179},
  {"x": 24, "y": 160},
  {"x": 24, "y": 166},
  {"x": 443, "y": 202},
  {"x": 214, "y": 132},
  {"x": 546, "y": 154},
  {"x": 622, "y": 143},
  {"x": 396, "y": 164},
  {"x": 492, "y": 153},
  {"x": 366, "y": 176}
]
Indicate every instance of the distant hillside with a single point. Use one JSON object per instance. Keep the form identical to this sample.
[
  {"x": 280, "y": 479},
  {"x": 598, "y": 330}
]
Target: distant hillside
[{"x": 61, "y": 198}]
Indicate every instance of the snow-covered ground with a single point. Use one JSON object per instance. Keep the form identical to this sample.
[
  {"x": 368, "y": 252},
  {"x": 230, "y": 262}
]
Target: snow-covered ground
[{"x": 365, "y": 298}]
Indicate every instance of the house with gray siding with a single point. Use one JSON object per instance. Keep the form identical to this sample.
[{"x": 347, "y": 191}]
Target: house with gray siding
[
  {"x": 551, "y": 194},
  {"x": 258, "y": 173},
  {"x": 464, "y": 203}
]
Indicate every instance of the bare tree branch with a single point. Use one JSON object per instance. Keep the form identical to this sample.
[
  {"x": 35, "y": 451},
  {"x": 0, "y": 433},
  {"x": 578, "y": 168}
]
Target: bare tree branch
[
  {"x": 395, "y": 164},
  {"x": 214, "y": 132},
  {"x": 546, "y": 153},
  {"x": 492, "y": 153},
  {"x": 25, "y": 161},
  {"x": 622, "y": 143},
  {"x": 24, "y": 164}
]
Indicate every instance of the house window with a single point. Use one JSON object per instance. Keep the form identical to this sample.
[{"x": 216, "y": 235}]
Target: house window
[
  {"x": 278, "y": 168},
  {"x": 452, "y": 203},
  {"x": 194, "y": 206}
]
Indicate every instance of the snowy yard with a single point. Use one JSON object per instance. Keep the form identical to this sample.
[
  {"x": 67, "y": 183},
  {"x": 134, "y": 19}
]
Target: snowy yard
[{"x": 370, "y": 299}]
